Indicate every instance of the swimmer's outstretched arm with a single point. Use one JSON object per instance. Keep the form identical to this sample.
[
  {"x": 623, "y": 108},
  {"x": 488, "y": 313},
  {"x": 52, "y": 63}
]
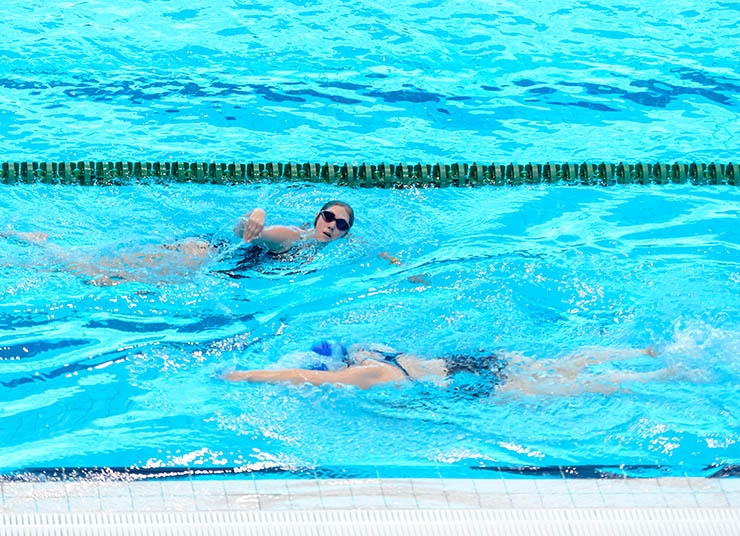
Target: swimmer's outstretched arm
[
  {"x": 278, "y": 238},
  {"x": 359, "y": 376}
]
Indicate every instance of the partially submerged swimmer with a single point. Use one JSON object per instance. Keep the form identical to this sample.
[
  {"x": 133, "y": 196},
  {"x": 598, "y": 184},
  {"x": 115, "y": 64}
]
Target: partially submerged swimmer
[
  {"x": 369, "y": 365},
  {"x": 333, "y": 221},
  {"x": 361, "y": 365},
  {"x": 284, "y": 243}
]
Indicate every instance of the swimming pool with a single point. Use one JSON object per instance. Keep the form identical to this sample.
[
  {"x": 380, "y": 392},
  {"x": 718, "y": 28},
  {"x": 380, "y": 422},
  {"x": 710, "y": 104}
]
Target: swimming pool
[
  {"x": 127, "y": 377},
  {"x": 349, "y": 82}
]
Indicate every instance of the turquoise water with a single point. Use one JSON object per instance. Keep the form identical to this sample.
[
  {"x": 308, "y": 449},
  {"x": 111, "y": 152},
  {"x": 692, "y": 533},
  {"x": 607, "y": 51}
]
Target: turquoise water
[
  {"x": 127, "y": 376},
  {"x": 368, "y": 82}
]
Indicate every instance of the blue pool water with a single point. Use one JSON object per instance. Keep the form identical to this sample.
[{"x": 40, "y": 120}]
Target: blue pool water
[
  {"x": 350, "y": 81},
  {"x": 128, "y": 376}
]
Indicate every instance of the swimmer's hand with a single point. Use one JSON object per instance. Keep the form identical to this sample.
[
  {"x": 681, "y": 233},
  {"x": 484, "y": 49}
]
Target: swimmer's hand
[
  {"x": 250, "y": 225},
  {"x": 106, "y": 281},
  {"x": 223, "y": 373},
  {"x": 650, "y": 351},
  {"x": 420, "y": 279},
  {"x": 389, "y": 257}
]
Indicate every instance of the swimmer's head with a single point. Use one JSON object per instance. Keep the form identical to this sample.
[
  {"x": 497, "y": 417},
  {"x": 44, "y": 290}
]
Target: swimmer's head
[
  {"x": 333, "y": 221},
  {"x": 330, "y": 349}
]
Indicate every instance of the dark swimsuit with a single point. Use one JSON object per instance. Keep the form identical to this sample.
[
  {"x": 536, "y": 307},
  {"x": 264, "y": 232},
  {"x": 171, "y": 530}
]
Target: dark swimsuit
[
  {"x": 251, "y": 258},
  {"x": 490, "y": 365},
  {"x": 476, "y": 375},
  {"x": 391, "y": 358},
  {"x": 487, "y": 369}
]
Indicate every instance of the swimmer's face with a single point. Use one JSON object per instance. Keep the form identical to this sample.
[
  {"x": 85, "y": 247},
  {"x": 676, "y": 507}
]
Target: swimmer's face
[{"x": 328, "y": 231}]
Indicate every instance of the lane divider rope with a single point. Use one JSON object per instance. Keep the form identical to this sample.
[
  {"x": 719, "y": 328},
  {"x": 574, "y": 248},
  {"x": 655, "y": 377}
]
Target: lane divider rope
[{"x": 89, "y": 173}]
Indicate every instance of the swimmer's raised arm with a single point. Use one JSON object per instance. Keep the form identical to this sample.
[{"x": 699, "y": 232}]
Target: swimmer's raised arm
[
  {"x": 277, "y": 238},
  {"x": 333, "y": 221},
  {"x": 250, "y": 225}
]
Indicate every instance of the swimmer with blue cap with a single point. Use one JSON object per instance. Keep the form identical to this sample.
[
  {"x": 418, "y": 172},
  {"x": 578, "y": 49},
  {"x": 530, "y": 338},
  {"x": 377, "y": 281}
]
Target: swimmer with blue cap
[
  {"x": 361, "y": 365},
  {"x": 369, "y": 365}
]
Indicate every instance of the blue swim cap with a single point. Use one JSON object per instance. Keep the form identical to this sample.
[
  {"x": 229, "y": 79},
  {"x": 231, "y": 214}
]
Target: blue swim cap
[{"x": 329, "y": 349}]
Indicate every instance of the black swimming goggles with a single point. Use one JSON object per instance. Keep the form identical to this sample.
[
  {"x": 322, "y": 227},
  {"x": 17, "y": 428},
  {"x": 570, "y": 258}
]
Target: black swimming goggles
[{"x": 329, "y": 217}]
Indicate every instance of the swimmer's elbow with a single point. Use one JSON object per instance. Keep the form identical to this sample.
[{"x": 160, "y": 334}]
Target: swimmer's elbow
[{"x": 279, "y": 239}]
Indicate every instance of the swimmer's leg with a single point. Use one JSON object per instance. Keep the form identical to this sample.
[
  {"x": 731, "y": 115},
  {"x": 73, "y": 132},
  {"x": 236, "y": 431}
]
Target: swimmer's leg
[
  {"x": 570, "y": 385},
  {"x": 32, "y": 237},
  {"x": 107, "y": 280},
  {"x": 613, "y": 381},
  {"x": 196, "y": 248},
  {"x": 598, "y": 356},
  {"x": 168, "y": 260},
  {"x": 604, "y": 355},
  {"x": 58, "y": 257}
]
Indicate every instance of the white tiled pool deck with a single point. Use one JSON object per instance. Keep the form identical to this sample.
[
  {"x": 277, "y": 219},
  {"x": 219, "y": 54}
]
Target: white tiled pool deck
[{"x": 373, "y": 506}]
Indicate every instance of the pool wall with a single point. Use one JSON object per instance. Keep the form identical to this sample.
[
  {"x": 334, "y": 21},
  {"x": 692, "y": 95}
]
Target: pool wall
[{"x": 374, "y": 506}]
